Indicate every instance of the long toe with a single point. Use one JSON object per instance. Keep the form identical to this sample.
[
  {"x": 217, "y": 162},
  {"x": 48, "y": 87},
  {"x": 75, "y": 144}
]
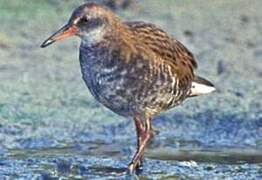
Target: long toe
[
  {"x": 131, "y": 168},
  {"x": 135, "y": 167}
]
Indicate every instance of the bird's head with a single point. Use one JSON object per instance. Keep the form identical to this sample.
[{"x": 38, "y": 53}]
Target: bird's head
[{"x": 90, "y": 22}]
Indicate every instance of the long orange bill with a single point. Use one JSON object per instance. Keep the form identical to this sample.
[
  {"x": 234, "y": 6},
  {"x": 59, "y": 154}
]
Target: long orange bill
[{"x": 64, "y": 32}]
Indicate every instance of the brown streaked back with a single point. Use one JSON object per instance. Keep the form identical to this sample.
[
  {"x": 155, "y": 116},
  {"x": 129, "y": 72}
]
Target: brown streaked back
[{"x": 167, "y": 48}]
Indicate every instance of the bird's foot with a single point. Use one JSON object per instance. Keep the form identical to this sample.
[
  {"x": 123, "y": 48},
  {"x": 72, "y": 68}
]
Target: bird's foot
[{"x": 134, "y": 167}]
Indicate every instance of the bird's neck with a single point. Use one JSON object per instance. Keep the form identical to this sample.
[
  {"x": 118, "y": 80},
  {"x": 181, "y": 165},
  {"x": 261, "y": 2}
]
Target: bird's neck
[
  {"x": 117, "y": 37},
  {"x": 122, "y": 40}
]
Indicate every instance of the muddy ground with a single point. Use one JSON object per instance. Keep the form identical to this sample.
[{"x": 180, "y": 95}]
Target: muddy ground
[{"x": 51, "y": 126}]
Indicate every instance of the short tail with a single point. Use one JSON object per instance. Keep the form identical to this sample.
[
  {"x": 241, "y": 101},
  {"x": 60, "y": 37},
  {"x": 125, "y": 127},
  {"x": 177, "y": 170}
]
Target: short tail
[{"x": 201, "y": 86}]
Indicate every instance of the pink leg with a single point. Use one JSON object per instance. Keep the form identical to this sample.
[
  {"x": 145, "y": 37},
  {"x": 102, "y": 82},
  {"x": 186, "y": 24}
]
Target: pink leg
[{"x": 144, "y": 134}]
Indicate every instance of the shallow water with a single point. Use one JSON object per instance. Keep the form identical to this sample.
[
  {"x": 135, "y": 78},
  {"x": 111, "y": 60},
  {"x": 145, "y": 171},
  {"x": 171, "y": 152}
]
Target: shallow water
[{"x": 100, "y": 160}]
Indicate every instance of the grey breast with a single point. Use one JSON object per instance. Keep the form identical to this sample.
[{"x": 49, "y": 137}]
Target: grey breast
[{"x": 127, "y": 88}]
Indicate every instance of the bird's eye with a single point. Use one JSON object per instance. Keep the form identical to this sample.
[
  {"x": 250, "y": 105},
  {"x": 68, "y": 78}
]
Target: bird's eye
[{"x": 84, "y": 20}]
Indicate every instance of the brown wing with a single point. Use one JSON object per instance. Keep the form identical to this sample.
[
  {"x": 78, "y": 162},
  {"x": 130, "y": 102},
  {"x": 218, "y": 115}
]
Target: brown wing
[{"x": 168, "y": 49}]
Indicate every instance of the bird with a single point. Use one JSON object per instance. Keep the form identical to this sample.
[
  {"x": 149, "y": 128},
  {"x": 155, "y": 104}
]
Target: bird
[{"x": 133, "y": 68}]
